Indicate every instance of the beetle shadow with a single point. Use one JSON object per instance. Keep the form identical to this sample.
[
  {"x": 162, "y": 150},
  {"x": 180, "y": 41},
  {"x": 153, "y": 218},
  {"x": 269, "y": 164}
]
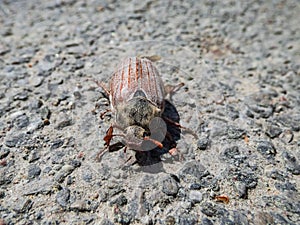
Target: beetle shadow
[{"x": 147, "y": 159}]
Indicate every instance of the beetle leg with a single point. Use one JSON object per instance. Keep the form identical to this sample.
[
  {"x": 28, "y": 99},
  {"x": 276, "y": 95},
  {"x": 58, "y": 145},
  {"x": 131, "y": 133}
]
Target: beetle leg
[
  {"x": 108, "y": 136},
  {"x": 103, "y": 86},
  {"x": 180, "y": 126},
  {"x": 104, "y": 113},
  {"x": 157, "y": 143},
  {"x": 171, "y": 89}
]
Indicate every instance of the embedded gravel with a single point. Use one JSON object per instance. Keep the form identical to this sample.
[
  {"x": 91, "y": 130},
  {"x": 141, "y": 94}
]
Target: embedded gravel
[{"x": 240, "y": 63}]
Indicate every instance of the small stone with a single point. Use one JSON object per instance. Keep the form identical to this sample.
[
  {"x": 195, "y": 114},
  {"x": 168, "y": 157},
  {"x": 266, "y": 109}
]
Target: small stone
[
  {"x": 292, "y": 164},
  {"x": 87, "y": 176},
  {"x": 287, "y": 186},
  {"x": 119, "y": 201},
  {"x": 2, "y": 193},
  {"x": 170, "y": 220},
  {"x": 21, "y": 121},
  {"x": 45, "y": 113},
  {"x": 195, "y": 196},
  {"x": 169, "y": 186},
  {"x": 56, "y": 144},
  {"x": 4, "y": 152},
  {"x": 23, "y": 205},
  {"x": 202, "y": 143},
  {"x": 81, "y": 206},
  {"x": 267, "y": 149},
  {"x": 35, "y": 125},
  {"x": 233, "y": 156},
  {"x": 235, "y": 133},
  {"x": 208, "y": 209},
  {"x": 241, "y": 189},
  {"x": 192, "y": 171},
  {"x": 63, "y": 173},
  {"x": 206, "y": 221},
  {"x": 63, "y": 196},
  {"x": 64, "y": 122},
  {"x": 195, "y": 186},
  {"x": 33, "y": 171},
  {"x": 287, "y": 136},
  {"x": 21, "y": 96},
  {"x": 273, "y": 131}
]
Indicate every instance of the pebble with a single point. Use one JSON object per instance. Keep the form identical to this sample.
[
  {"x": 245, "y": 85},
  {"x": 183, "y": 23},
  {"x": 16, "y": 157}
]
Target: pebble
[
  {"x": 202, "y": 143},
  {"x": 169, "y": 186},
  {"x": 208, "y": 209},
  {"x": 192, "y": 171},
  {"x": 235, "y": 132},
  {"x": 267, "y": 149},
  {"x": 4, "y": 152},
  {"x": 63, "y": 196},
  {"x": 63, "y": 173},
  {"x": 273, "y": 131},
  {"x": 241, "y": 189},
  {"x": 206, "y": 221},
  {"x": 21, "y": 121},
  {"x": 291, "y": 163},
  {"x": 33, "y": 171},
  {"x": 23, "y": 205},
  {"x": 195, "y": 196}
]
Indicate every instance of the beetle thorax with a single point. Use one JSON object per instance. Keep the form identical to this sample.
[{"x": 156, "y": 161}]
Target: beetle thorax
[{"x": 137, "y": 111}]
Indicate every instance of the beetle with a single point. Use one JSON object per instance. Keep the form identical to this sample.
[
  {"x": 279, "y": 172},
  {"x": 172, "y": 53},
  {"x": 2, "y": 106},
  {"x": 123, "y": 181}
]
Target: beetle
[{"x": 137, "y": 97}]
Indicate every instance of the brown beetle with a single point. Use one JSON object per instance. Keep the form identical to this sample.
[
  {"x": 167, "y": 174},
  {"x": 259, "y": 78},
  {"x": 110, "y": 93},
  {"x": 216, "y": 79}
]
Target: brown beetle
[{"x": 136, "y": 93}]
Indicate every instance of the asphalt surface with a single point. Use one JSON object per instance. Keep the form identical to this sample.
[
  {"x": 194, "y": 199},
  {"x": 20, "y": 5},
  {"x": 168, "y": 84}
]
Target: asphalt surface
[{"x": 240, "y": 63}]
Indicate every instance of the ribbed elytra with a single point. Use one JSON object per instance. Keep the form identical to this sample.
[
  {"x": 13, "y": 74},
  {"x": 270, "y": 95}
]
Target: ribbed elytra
[{"x": 136, "y": 94}]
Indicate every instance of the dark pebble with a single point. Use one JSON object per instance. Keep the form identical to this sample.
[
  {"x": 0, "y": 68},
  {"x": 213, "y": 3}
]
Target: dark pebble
[
  {"x": 21, "y": 121},
  {"x": 232, "y": 155},
  {"x": 6, "y": 178},
  {"x": 208, "y": 209},
  {"x": 202, "y": 143},
  {"x": 75, "y": 163},
  {"x": 245, "y": 176},
  {"x": 195, "y": 186},
  {"x": 277, "y": 175},
  {"x": 4, "y": 152},
  {"x": 273, "y": 131},
  {"x": 119, "y": 201},
  {"x": 287, "y": 186},
  {"x": 206, "y": 221},
  {"x": 169, "y": 186},
  {"x": 62, "y": 197},
  {"x": 192, "y": 171},
  {"x": 267, "y": 149},
  {"x": 292, "y": 164},
  {"x": 33, "y": 171},
  {"x": 56, "y": 144},
  {"x": 2, "y": 194}
]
